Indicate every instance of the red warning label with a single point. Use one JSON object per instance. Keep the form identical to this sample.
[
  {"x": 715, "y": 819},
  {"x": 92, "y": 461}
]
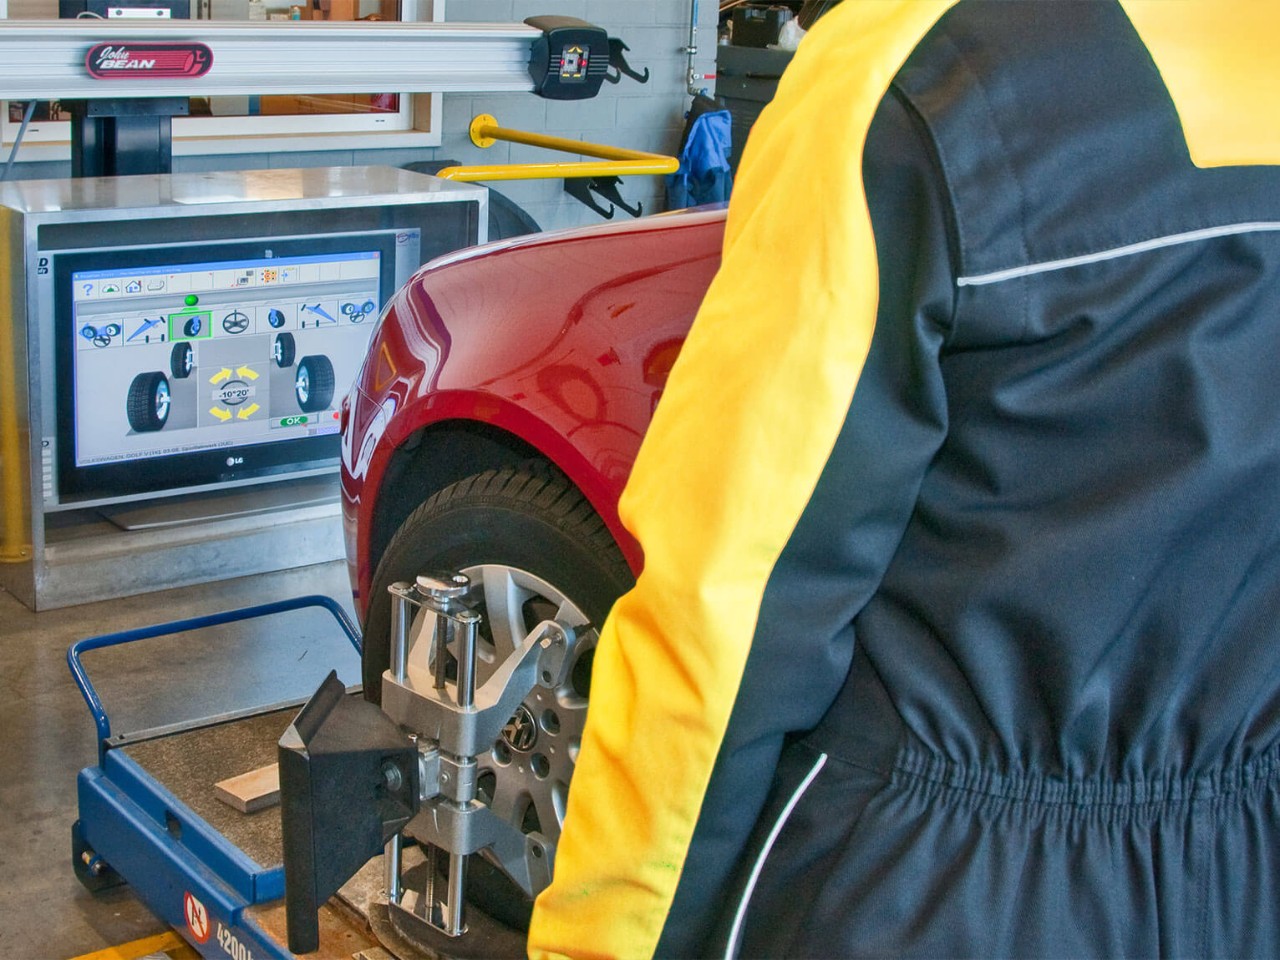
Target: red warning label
[{"x": 197, "y": 917}]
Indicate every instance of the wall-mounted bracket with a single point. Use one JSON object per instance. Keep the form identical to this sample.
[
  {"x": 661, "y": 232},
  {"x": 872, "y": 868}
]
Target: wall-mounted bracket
[
  {"x": 111, "y": 138},
  {"x": 618, "y": 66},
  {"x": 608, "y": 189},
  {"x": 580, "y": 190}
]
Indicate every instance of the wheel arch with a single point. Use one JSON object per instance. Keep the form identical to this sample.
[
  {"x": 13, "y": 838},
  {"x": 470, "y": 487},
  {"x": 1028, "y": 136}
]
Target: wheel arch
[
  {"x": 444, "y": 435},
  {"x": 446, "y": 451},
  {"x": 431, "y": 458}
]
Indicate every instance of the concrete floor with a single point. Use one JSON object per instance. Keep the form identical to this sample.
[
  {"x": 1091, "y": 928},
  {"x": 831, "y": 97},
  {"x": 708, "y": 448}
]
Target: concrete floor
[{"x": 49, "y": 735}]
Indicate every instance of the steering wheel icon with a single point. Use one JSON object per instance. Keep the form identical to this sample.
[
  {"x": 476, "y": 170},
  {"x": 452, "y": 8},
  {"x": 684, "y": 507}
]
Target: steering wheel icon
[
  {"x": 356, "y": 313},
  {"x": 235, "y": 322},
  {"x": 100, "y": 336}
]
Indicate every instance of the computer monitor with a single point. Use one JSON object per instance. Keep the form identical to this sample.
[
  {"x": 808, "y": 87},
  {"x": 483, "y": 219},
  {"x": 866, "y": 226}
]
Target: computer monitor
[{"x": 197, "y": 365}]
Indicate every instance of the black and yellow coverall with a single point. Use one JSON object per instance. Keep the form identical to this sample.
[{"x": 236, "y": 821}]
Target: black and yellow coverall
[{"x": 959, "y": 626}]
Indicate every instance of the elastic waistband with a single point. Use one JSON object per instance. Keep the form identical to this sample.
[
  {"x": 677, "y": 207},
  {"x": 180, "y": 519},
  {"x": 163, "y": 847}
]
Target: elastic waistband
[{"x": 1229, "y": 781}]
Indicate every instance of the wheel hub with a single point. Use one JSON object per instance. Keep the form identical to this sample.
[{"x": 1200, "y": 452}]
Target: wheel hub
[
  {"x": 162, "y": 401},
  {"x": 521, "y": 731}
]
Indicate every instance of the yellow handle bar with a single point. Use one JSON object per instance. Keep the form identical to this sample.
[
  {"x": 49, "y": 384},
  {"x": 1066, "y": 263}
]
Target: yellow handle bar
[{"x": 613, "y": 161}]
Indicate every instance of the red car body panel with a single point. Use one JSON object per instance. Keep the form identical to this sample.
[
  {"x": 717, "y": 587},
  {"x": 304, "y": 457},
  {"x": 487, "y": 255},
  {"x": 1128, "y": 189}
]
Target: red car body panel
[{"x": 562, "y": 340}]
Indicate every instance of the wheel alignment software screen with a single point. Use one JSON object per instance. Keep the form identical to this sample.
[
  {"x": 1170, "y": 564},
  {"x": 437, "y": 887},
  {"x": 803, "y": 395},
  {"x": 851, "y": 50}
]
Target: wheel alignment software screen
[{"x": 175, "y": 359}]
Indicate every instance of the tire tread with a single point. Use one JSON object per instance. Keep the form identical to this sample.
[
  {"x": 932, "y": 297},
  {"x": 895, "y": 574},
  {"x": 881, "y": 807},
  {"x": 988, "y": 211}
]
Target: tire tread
[
  {"x": 535, "y": 483},
  {"x": 534, "y": 491}
]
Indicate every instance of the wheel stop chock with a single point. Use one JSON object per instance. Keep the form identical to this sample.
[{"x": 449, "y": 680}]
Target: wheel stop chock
[{"x": 348, "y": 783}]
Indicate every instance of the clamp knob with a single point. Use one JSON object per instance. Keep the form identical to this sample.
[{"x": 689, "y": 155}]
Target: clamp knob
[{"x": 444, "y": 586}]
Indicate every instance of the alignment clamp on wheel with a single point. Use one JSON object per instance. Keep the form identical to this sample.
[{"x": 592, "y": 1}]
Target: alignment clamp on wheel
[
  {"x": 455, "y": 722},
  {"x": 419, "y": 751}
]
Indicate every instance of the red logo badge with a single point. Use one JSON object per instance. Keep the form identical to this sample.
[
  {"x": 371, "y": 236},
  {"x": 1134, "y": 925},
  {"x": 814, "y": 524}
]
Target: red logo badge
[
  {"x": 152, "y": 61},
  {"x": 197, "y": 917}
]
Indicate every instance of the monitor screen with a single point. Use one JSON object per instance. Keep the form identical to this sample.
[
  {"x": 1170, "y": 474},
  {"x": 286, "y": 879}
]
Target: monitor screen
[{"x": 192, "y": 365}]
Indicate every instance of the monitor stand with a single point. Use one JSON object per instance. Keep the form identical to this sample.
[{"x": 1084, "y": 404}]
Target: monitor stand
[{"x": 223, "y": 504}]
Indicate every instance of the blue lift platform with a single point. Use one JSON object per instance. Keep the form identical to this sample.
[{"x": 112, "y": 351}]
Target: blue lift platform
[{"x": 148, "y": 815}]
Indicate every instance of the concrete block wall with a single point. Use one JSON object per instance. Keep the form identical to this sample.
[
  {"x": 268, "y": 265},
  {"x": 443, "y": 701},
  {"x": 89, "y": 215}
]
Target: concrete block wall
[{"x": 646, "y": 116}]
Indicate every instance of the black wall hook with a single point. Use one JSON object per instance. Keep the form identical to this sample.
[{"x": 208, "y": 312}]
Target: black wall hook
[
  {"x": 582, "y": 188},
  {"x": 607, "y": 187},
  {"x": 618, "y": 64}
]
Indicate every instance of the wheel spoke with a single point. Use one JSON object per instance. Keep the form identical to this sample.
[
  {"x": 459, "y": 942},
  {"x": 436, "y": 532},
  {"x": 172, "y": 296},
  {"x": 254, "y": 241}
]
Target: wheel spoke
[
  {"x": 508, "y": 795},
  {"x": 548, "y": 801},
  {"x": 562, "y": 762},
  {"x": 568, "y": 614},
  {"x": 573, "y": 720},
  {"x": 504, "y": 602},
  {"x": 421, "y": 650},
  {"x": 567, "y": 743}
]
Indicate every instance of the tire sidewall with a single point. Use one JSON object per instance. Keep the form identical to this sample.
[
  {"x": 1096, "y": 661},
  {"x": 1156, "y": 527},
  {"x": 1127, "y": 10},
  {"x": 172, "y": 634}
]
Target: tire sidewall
[{"x": 489, "y": 530}]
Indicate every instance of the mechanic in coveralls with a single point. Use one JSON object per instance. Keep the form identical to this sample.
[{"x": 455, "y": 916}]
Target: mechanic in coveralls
[{"x": 959, "y": 628}]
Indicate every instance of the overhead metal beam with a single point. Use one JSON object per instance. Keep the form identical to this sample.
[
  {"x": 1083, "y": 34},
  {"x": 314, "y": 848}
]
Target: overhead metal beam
[{"x": 45, "y": 59}]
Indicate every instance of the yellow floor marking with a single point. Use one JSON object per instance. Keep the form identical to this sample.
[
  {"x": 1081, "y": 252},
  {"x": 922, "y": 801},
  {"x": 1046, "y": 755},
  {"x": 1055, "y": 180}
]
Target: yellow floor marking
[{"x": 169, "y": 943}]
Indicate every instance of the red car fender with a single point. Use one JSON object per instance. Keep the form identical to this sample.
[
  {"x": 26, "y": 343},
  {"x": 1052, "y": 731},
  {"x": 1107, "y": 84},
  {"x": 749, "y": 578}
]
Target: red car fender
[{"x": 563, "y": 341}]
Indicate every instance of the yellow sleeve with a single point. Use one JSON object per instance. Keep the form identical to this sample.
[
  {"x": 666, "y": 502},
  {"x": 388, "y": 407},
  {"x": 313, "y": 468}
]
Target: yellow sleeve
[{"x": 749, "y": 417}]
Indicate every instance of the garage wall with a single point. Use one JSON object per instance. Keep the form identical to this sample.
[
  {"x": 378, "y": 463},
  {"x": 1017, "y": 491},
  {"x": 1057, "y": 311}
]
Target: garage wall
[{"x": 641, "y": 116}]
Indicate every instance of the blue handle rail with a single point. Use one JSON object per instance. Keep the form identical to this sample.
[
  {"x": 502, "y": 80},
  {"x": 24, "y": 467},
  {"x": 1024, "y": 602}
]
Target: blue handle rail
[{"x": 81, "y": 647}]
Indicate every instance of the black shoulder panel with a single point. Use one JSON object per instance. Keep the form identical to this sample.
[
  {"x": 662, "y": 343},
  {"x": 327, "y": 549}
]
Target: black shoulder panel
[{"x": 1057, "y": 136}]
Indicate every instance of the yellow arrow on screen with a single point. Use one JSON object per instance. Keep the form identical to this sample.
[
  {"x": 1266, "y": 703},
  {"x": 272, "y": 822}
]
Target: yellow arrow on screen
[
  {"x": 223, "y": 415},
  {"x": 223, "y": 374},
  {"x": 247, "y": 372},
  {"x": 248, "y": 411}
]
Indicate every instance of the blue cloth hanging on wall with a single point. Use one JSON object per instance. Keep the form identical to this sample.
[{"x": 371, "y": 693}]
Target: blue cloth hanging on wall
[{"x": 704, "y": 175}]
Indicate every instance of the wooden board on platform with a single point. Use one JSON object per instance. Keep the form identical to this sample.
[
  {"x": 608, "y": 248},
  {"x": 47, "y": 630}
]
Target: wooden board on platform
[{"x": 252, "y": 791}]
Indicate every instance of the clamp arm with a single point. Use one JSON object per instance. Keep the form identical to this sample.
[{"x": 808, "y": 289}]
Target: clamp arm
[{"x": 352, "y": 780}]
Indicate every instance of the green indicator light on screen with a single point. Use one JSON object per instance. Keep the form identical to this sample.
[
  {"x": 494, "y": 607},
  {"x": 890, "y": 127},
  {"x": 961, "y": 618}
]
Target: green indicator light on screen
[{"x": 191, "y": 300}]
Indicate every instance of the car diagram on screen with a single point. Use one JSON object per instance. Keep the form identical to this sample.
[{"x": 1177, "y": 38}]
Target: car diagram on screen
[
  {"x": 356, "y": 312},
  {"x": 317, "y": 314},
  {"x": 100, "y": 336},
  {"x": 233, "y": 387},
  {"x": 144, "y": 330},
  {"x": 196, "y": 359}
]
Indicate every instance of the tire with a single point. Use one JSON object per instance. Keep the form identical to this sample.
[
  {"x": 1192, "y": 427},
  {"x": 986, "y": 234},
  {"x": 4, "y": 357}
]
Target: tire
[
  {"x": 283, "y": 350},
  {"x": 506, "y": 217},
  {"x": 531, "y": 524},
  {"x": 313, "y": 383},
  {"x": 182, "y": 360},
  {"x": 148, "y": 403},
  {"x": 528, "y": 517}
]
